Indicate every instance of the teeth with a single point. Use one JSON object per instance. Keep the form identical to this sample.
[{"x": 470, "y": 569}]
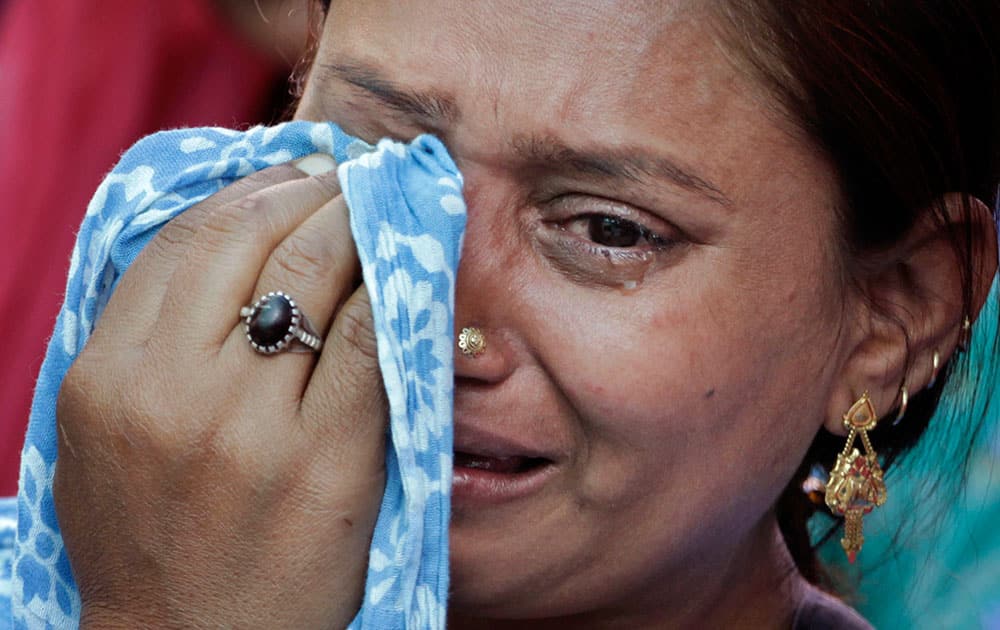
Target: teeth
[{"x": 501, "y": 465}]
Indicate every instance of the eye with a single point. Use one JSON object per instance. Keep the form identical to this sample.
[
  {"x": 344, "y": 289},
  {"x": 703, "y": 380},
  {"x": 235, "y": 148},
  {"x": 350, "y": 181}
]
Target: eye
[
  {"x": 613, "y": 232},
  {"x": 598, "y": 242},
  {"x": 616, "y": 232}
]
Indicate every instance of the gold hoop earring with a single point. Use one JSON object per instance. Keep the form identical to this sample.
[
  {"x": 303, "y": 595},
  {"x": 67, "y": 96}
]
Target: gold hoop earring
[
  {"x": 472, "y": 342},
  {"x": 904, "y": 400},
  {"x": 856, "y": 485},
  {"x": 965, "y": 338},
  {"x": 935, "y": 368}
]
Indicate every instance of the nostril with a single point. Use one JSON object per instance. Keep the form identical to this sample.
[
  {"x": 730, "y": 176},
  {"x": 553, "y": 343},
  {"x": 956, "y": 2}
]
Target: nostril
[{"x": 485, "y": 359}]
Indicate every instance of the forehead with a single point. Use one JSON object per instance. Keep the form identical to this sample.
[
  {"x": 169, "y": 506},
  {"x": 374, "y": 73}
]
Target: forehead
[
  {"x": 627, "y": 74},
  {"x": 572, "y": 59}
]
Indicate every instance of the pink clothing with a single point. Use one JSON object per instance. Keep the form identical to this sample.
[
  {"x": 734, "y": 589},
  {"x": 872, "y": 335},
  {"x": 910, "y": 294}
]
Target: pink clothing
[{"x": 80, "y": 81}]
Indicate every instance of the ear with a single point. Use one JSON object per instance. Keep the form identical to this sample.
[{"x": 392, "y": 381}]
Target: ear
[{"x": 909, "y": 303}]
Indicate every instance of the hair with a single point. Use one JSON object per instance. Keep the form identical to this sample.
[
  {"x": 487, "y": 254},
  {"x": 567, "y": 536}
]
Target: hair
[
  {"x": 297, "y": 80},
  {"x": 903, "y": 98}
]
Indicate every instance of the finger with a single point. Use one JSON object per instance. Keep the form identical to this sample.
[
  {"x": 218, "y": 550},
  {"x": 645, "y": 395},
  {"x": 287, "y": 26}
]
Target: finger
[
  {"x": 226, "y": 256},
  {"x": 344, "y": 406},
  {"x": 133, "y": 307},
  {"x": 317, "y": 266}
]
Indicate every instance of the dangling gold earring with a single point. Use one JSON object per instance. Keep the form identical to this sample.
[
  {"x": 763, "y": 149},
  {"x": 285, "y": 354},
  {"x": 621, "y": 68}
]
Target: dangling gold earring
[{"x": 856, "y": 485}]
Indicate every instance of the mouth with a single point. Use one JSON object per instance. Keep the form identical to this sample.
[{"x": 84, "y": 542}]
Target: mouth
[
  {"x": 484, "y": 479},
  {"x": 497, "y": 464}
]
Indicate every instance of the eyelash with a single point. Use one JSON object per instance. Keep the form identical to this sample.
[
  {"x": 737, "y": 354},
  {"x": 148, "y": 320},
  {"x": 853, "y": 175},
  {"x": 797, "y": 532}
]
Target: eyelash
[
  {"x": 575, "y": 240},
  {"x": 611, "y": 225}
]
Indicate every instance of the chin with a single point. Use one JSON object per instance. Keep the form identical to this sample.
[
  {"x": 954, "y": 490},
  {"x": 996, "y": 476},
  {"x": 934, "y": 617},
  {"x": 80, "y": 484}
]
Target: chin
[
  {"x": 494, "y": 565},
  {"x": 526, "y": 564}
]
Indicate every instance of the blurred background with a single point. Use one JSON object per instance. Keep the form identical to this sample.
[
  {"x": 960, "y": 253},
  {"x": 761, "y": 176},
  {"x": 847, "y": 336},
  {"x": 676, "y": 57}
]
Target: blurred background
[{"x": 82, "y": 80}]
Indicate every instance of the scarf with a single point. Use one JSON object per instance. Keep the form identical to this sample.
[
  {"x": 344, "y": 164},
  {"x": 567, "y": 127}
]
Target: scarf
[{"x": 407, "y": 219}]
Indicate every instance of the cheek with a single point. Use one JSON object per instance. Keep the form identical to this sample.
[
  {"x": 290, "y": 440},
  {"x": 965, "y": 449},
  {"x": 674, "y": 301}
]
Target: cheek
[{"x": 683, "y": 388}]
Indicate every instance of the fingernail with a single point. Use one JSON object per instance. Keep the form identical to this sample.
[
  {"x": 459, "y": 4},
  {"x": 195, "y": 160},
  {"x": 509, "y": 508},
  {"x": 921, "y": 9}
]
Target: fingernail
[{"x": 315, "y": 164}]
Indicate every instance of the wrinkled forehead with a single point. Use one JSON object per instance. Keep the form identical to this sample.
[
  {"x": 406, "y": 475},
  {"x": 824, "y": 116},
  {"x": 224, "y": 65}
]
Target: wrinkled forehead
[
  {"x": 513, "y": 33},
  {"x": 571, "y": 59},
  {"x": 605, "y": 76}
]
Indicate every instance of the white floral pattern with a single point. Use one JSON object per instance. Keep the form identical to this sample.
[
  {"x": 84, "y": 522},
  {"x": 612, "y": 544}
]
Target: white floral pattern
[
  {"x": 408, "y": 220},
  {"x": 8, "y": 528},
  {"x": 409, "y": 244}
]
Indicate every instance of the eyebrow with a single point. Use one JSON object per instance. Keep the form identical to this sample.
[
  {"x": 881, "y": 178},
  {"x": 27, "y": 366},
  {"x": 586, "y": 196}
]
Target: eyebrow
[
  {"x": 546, "y": 151},
  {"x": 427, "y": 105},
  {"x": 634, "y": 164}
]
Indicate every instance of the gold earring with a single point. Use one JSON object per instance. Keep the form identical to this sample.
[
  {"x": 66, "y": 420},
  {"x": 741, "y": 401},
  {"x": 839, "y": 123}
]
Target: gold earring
[
  {"x": 472, "y": 342},
  {"x": 935, "y": 368},
  {"x": 856, "y": 485},
  {"x": 965, "y": 337},
  {"x": 904, "y": 400}
]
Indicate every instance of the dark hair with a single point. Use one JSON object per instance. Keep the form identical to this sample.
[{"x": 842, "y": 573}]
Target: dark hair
[{"x": 903, "y": 97}]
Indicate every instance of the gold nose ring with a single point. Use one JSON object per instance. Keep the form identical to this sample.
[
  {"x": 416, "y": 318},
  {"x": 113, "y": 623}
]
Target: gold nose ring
[{"x": 472, "y": 342}]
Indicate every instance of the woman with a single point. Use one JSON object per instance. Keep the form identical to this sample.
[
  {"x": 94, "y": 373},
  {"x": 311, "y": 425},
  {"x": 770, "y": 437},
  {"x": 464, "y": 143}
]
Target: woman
[{"x": 700, "y": 236}]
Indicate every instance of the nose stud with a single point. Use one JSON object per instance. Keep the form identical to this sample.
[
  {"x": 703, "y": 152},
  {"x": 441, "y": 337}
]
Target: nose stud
[{"x": 472, "y": 342}]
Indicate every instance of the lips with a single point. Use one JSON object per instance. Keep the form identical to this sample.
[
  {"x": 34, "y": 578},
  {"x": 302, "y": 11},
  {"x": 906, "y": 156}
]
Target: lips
[{"x": 492, "y": 468}]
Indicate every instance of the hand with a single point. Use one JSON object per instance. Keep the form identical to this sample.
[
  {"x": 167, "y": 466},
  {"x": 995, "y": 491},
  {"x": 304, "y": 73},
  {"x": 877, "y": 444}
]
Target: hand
[{"x": 200, "y": 484}]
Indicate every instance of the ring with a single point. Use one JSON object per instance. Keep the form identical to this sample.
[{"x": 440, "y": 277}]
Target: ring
[{"x": 274, "y": 322}]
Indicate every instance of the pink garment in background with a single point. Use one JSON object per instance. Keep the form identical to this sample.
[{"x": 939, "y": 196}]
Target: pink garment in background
[{"x": 80, "y": 81}]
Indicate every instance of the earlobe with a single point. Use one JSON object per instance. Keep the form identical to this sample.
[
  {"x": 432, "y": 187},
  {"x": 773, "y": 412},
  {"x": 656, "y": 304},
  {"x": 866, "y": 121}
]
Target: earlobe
[{"x": 910, "y": 304}]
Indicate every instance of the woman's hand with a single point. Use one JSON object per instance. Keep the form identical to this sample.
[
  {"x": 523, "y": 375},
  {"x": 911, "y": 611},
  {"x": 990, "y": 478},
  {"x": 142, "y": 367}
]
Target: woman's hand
[{"x": 200, "y": 484}]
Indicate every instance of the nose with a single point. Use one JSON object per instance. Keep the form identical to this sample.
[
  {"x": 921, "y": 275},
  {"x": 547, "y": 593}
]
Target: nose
[
  {"x": 483, "y": 296},
  {"x": 476, "y": 314},
  {"x": 492, "y": 365}
]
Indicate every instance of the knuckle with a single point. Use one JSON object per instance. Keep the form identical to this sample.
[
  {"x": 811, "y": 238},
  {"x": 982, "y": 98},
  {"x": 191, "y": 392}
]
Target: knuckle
[
  {"x": 95, "y": 396},
  {"x": 242, "y": 220},
  {"x": 327, "y": 184},
  {"x": 305, "y": 255},
  {"x": 121, "y": 402},
  {"x": 177, "y": 233},
  {"x": 355, "y": 328},
  {"x": 272, "y": 175},
  {"x": 241, "y": 188},
  {"x": 254, "y": 182},
  {"x": 90, "y": 378},
  {"x": 74, "y": 401}
]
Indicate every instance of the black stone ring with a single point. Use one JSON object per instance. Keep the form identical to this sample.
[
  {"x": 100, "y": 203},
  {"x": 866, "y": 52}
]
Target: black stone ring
[{"x": 275, "y": 322}]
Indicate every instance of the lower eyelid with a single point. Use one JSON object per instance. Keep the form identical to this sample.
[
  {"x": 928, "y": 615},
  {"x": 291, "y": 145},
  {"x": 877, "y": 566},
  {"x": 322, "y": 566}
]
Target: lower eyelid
[{"x": 589, "y": 264}]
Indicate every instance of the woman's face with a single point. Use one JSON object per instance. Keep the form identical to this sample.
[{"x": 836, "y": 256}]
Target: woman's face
[{"x": 650, "y": 253}]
